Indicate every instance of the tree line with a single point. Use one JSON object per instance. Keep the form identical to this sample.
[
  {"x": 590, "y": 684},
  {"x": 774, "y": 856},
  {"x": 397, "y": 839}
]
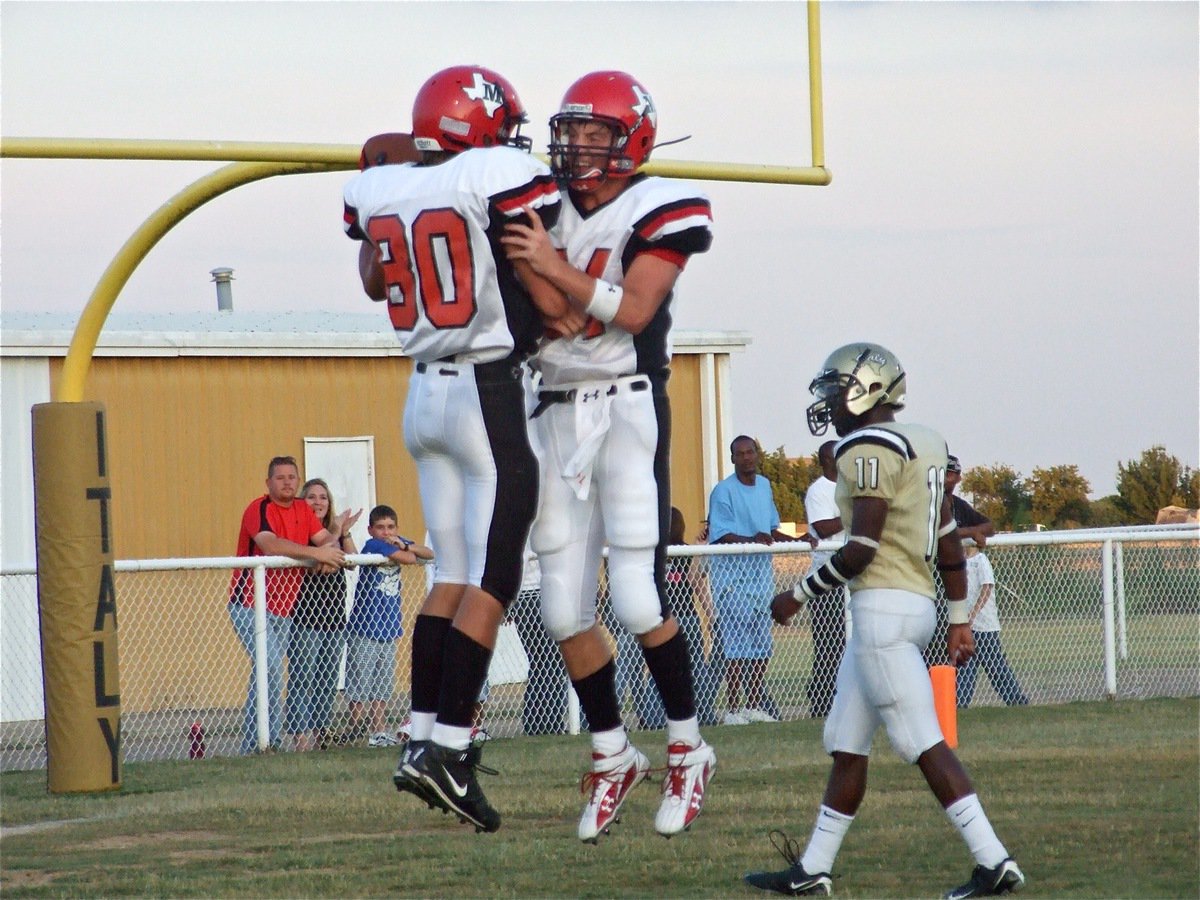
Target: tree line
[{"x": 1055, "y": 497}]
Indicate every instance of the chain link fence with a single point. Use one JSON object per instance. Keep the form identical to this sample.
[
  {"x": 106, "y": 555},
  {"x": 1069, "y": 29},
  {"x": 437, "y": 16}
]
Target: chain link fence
[{"x": 1083, "y": 615}]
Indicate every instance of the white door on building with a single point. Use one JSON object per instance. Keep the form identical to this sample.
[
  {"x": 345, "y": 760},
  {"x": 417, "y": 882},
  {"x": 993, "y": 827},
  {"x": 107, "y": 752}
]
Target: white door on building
[
  {"x": 348, "y": 466},
  {"x": 23, "y": 382}
]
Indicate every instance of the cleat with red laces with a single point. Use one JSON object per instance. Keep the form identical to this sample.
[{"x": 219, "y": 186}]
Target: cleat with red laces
[
  {"x": 610, "y": 781},
  {"x": 688, "y": 772}
]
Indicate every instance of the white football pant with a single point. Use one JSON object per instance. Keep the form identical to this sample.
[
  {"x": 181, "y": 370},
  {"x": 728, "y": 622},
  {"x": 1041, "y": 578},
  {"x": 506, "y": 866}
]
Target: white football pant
[
  {"x": 476, "y": 471},
  {"x": 621, "y": 508},
  {"x": 882, "y": 679}
]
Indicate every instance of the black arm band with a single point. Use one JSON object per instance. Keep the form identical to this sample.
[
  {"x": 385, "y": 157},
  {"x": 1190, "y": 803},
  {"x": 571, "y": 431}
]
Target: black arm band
[
  {"x": 833, "y": 574},
  {"x": 952, "y": 567}
]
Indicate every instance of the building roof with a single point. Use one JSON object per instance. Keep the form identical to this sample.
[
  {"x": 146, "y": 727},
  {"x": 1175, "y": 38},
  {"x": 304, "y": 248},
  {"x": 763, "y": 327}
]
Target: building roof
[{"x": 239, "y": 333}]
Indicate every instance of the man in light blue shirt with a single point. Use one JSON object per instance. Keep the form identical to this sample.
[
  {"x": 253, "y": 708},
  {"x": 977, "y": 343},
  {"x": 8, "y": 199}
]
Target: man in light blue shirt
[{"x": 741, "y": 510}]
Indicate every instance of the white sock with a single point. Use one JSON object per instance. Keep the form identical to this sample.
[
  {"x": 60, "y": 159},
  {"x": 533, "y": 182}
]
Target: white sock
[
  {"x": 826, "y": 840},
  {"x": 607, "y": 743},
  {"x": 456, "y": 737},
  {"x": 968, "y": 817},
  {"x": 686, "y": 730},
  {"x": 422, "y": 725}
]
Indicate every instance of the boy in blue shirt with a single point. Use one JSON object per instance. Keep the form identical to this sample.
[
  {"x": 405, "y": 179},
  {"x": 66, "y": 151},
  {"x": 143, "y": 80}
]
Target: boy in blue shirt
[{"x": 374, "y": 625}]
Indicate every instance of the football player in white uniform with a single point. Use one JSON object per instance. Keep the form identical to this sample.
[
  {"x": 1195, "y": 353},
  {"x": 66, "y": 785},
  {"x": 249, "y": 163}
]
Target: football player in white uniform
[
  {"x": 890, "y": 488},
  {"x": 603, "y": 421},
  {"x": 464, "y": 312}
]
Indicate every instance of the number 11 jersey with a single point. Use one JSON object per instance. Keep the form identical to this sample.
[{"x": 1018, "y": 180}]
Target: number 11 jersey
[{"x": 904, "y": 464}]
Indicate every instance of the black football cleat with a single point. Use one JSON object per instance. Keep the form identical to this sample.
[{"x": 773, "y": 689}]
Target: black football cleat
[
  {"x": 449, "y": 775},
  {"x": 793, "y": 881},
  {"x": 1003, "y": 879},
  {"x": 406, "y": 783}
]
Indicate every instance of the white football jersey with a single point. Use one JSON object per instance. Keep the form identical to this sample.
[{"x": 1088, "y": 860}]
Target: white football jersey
[
  {"x": 451, "y": 290},
  {"x": 661, "y": 216}
]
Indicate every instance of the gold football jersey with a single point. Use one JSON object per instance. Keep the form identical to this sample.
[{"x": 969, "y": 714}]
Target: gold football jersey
[{"x": 905, "y": 465}]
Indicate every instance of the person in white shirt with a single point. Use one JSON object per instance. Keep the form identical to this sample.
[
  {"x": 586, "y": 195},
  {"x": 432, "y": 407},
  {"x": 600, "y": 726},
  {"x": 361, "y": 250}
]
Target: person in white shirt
[{"x": 985, "y": 625}]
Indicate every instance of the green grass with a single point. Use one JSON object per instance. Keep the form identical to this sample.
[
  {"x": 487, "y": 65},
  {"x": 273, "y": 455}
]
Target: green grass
[{"x": 1095, "y": 800}]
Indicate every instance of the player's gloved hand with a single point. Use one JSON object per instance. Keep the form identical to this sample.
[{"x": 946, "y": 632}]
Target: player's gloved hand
[
  {"x": 784, "y": 606},
  {"x": 387, "y": 150}
]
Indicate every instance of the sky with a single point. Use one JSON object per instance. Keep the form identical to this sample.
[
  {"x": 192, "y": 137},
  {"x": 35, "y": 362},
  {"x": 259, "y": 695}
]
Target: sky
[{"x": 1013, "y": 212}]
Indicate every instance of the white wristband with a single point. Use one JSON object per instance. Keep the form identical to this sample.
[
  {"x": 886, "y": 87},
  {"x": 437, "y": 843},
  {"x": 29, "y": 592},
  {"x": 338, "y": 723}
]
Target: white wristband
[
  {"x": 956, "y": 612},
  {"x": 606, "y": 300}
]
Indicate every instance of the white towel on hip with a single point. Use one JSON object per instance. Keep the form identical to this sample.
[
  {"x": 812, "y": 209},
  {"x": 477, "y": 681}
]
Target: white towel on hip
[{"x": 592, "y": 421}]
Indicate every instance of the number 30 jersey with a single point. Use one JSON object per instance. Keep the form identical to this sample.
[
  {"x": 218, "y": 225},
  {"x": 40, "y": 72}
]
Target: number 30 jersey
[
  {"x": 905, "y": 465},
  {"x": 451, "y": 290},
  {"x": 664, "y": 217}
]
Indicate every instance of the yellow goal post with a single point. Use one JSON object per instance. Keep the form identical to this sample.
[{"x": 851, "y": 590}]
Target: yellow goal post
[
  {"x": 254, "y": 161},
  {"x": 77, "y": 603}
]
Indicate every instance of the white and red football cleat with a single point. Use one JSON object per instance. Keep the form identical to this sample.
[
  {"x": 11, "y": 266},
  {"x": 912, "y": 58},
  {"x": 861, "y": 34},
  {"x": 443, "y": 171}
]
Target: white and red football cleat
[
  {"x": 610, "y": 781},
  {"x": 404, "y": 732},
  {"x": 688, "y": 772}
]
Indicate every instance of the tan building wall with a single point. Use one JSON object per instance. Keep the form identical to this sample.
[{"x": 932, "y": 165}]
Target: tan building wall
[
  {"x": 190, "y": 437},
  {"x": 193, "y": 416}
]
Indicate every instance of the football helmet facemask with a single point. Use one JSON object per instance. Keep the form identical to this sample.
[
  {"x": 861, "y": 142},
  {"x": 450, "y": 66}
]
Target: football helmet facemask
[
  {"x": 618, "y": 101},
  {"x": 855, "y": 379},
  {"x": 468, "y": 106}
]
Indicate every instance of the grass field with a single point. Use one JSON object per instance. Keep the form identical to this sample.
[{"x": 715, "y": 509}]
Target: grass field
[{"x": 1095, "y": 800}]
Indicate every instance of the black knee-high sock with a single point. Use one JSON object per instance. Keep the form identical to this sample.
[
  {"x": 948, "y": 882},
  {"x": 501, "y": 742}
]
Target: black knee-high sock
[
  {"x": 672, "y": 673},
  {"x": 428, "y": 651},
  {"x": 598, "y": 698},
  {"x": 462, "y": 679}
]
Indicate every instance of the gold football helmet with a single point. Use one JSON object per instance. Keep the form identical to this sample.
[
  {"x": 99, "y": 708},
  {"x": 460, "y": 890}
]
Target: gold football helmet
[{"x": 855, "y": 378}]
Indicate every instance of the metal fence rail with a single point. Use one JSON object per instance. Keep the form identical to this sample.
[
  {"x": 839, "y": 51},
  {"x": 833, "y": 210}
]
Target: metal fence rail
[{"x": 1085, "y": 615}]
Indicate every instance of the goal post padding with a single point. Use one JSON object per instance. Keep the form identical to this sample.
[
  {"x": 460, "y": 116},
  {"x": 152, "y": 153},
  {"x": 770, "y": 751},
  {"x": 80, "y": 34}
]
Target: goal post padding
[{"x": 76, "y": 598}]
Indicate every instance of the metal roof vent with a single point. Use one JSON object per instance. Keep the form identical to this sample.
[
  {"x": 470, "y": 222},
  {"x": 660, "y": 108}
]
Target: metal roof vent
[{"x": 223, "y": 276}]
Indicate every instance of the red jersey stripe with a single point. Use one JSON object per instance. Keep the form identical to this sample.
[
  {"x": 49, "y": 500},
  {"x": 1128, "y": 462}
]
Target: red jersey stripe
[
  {"x": 650, "y": 230},
  {"x": 534, "y": 192}
]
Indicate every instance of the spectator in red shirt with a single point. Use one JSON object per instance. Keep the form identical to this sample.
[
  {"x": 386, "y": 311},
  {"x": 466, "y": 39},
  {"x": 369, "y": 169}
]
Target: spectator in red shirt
[{"x": 276, "y": 524}]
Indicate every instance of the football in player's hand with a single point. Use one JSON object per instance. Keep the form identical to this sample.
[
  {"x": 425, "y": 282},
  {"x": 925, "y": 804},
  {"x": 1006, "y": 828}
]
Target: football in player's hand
[
  {"x": 783, "y": 607},
  {"x": 388, "y": 149}
]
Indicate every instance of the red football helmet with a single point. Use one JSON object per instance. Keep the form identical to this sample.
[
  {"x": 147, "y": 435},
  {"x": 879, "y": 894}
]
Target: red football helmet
[
  {"x": 468, "y": 106},
  {"x": 615, "y": 99}
]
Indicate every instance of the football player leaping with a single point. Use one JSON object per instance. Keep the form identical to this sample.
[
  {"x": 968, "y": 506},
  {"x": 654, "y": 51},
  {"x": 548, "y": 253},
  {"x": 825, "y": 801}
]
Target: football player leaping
[
  {"x": 890, "y": 486},
  {"x": 603, "y": 421},
  {"x": 463, "y": 311}
]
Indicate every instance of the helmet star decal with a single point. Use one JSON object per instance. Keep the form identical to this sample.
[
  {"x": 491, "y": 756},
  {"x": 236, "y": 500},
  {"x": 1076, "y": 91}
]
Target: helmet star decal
[
  {"x": 875, "y": 363},
  {"x": 486, "y": 92},
  {"x": 643, "y": 105},
  {"x": 854, "y": 380}
]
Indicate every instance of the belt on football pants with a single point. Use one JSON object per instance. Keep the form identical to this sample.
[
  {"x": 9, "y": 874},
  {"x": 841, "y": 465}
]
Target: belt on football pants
[
  {"x": 501, "y": 370},
  {"x": 546, "y": 399}
]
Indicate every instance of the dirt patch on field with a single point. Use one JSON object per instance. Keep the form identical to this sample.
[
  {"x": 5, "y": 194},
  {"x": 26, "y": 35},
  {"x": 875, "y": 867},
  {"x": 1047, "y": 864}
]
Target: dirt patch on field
[
  {"x": 31, "y": 878},
  {"x": 130, "y": 841}
]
